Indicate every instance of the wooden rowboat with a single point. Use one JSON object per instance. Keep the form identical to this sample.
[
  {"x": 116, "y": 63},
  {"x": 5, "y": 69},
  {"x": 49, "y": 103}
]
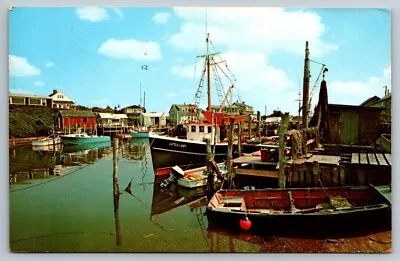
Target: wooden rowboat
[{"x": 298, "y": 209}]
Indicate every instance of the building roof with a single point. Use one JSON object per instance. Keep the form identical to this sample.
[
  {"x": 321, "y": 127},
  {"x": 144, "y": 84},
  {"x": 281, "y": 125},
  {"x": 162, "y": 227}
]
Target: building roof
[
  {"x": 338, "y": 107},
  {"x": 154, "y": 114},
  {"x": 370, "y": 101},
  {"x": 272, "y": 119},
  {"x": 28, "y": 95},
  {"x": 75, "y": 113},
  {"x": 105, "y": 115},
  {"x": 64, "y": 99},
  {"x": 132, "y": 107}
]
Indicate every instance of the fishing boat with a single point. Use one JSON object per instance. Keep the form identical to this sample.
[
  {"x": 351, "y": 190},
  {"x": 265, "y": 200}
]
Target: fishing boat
[
  {"x": 209, "y": 124},
  {"x": 297, "y": 209},
  {"x": 48, "y": 141},
  {"x": 82, "y": 138}
]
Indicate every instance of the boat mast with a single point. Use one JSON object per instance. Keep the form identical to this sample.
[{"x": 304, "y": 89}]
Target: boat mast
[
  {"x": 306, "y": 86},
  {"x": 208, "y": 76}
]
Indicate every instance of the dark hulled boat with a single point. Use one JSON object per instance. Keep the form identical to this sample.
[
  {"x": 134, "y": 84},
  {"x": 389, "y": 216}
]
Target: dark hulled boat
[
  {"x": 168, "y": 151},
  {"x": 309, "y": 210}
]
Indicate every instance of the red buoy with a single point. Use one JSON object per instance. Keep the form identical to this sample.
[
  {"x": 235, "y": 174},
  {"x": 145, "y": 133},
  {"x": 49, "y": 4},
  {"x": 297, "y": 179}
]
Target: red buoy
[{"x": 245, "y": 223}]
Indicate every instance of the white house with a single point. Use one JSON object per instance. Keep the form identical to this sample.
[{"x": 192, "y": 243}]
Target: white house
[
  {"x": 60, "y": 100},
  {"x": 111, "y": 120},
  {"x": 29, "y": 99}
]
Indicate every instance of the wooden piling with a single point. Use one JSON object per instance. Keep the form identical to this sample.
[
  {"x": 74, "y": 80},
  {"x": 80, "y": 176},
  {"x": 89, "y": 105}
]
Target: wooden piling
[
  {"x": 229, "y": 154},
  {"x": 258, "y": 125},
  {"x": 282, "y": 144},
  {"x": 249, "y": 130},
  {"x": 116, "y": 192},
  {"x": 210, "y": 177},
  {"x": 240, "y": 139},
  {"x": 315, "y": 169}
]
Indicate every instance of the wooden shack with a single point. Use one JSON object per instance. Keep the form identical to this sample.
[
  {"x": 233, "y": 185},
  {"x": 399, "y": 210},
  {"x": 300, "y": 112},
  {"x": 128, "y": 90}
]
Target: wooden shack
[
  {"x": 69, "y": 121},
  {"x": 356, "y": 125}
]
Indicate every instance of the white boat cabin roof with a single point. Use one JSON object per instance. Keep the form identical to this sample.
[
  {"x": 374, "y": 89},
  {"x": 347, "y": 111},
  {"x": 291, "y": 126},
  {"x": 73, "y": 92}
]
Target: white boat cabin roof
[{"x": 118, "y": 116}]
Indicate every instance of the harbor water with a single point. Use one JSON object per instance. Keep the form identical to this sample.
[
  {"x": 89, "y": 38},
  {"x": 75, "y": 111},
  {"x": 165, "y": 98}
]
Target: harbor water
[{"x": 62, "y": 200}]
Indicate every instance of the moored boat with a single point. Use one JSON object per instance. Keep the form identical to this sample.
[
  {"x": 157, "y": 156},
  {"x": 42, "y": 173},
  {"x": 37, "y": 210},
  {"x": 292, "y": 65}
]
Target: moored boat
[
  {"x": 302, "y": 209},
  {"x": 50, "y": 140},
  {"x": 82, "y": 138},
  {"x": 141, "y": 134},
  {"x": 191, "y": 178},
  {"x": 210, "y": 124}
]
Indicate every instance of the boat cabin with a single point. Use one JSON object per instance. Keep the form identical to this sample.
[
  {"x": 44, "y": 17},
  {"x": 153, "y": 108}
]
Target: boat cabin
[{"x": 200, "y": 131}]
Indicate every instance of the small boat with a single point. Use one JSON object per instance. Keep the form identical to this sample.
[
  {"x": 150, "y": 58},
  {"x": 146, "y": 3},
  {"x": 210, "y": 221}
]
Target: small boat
[
  {"x": 82, "y": 138},
  {"x": 191, "y": 178},
  {"x": 48, "y": 141},
  {"x": 141, "y": 133},
  {"x": 302, "y": 209}
]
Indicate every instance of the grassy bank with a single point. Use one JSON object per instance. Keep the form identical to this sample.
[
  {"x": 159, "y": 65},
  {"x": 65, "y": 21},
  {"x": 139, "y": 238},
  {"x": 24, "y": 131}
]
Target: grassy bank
[{"x": 27, "y": 121}]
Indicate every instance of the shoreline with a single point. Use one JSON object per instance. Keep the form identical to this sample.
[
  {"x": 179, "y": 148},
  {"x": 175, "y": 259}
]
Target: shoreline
[{"x": 22, "y": 141}]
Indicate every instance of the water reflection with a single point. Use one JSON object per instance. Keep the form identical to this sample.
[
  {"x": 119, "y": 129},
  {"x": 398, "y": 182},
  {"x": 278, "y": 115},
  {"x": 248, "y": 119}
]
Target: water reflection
[
  {"x": 76, "y": 214},
  {"x": 43, "y": 162}
]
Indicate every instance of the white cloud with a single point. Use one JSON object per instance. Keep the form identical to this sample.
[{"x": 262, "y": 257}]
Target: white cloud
[
  {"x": 171, "y": 94},
  {"x": 161, "y": 18},
  {"x": 118, "y": 12},
  {"x": 256, "y": 29},
  {"x": 131, "y": 49},
  {"x": 356, "y": 92},
  {"x": 49, "y": 64},
  {"x": 387, "y": 71},
  {"x": 20, "y": 67},
  {"x": 244, "y": 66},
  {"x": 248, "y": 36},
  {"x": 38, "y": 84},
  {"x": 92, "y": 13}
]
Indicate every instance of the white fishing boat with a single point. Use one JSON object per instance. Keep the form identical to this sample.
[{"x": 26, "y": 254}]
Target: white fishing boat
[{"x": 48, "y": 141}]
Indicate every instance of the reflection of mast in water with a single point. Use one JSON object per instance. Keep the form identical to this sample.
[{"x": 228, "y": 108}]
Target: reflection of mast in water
[
  {"x": 196, "y": 208},
  {"x": 144, "y": 169},
  {"x": 116, "y": 192}
]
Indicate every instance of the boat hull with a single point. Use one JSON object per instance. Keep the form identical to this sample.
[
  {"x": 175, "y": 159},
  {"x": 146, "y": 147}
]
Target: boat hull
[
  {"x": 47, "y": 142},
  {"x": 84, "y": 140},
  {"x": 371, "y": 211},
  {"x": 166, "y": 152},
  {"x": 139, "y": 135}
]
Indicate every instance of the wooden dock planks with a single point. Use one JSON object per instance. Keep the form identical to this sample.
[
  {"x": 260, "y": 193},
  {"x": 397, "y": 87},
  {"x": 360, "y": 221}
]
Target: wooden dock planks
[
  {"x": 324, "y": 159},
  {"x": 389, "y": 158},
  {"x": 257, "y": 172},
  {"x": 354, "y": 158},
  {"x": 363, "y": 158},
  {"x": 381, "y": 159},
  {"x": 378, "y": 159},
  {"x": 371, "y": 158}
]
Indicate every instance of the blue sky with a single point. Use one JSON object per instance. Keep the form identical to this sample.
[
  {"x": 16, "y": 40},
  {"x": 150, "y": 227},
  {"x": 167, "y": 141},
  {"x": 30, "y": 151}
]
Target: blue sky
[{"x": 95, "y": 55}]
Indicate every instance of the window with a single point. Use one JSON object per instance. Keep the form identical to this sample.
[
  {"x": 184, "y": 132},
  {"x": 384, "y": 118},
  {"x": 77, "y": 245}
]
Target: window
[
  {"x": 35, "y": 101},
  {"x": 18, "y": 100},
  {"x": 201, "y": 129},
  {"x": 193, "y": 128},
  {"x": 209, "y": 129}
]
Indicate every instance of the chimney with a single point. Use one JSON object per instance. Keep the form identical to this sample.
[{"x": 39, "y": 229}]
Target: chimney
[{"x": 54, "y": 91}]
